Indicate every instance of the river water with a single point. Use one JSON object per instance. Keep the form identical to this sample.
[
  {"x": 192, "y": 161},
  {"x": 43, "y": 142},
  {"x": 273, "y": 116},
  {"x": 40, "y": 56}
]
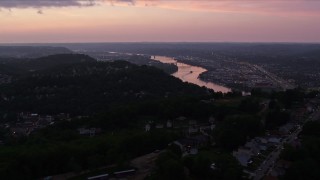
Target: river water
[{"x": 189, "y": 73}]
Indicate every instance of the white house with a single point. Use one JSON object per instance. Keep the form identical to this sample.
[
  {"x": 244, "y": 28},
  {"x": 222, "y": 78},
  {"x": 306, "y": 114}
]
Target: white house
[
  {"x": 159, "y": 126},
  {"x": 147, "y": 127},
  {"x": 169, "y": 124},
  {"x": 243, "y": 155}
]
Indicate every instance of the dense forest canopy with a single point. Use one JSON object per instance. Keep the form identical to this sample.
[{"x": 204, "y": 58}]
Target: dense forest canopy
[{"x": 78, "y": 84}]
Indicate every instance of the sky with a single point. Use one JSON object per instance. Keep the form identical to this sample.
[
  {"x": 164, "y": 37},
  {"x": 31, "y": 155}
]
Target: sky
[{"x": 59, "y": 21}]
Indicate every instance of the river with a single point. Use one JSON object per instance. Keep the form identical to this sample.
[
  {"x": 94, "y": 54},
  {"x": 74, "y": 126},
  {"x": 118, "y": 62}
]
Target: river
[{"x": 189, "y": 73}]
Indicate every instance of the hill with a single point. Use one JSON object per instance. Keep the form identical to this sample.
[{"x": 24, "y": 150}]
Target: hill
[
  {"x": 31, "y": 51},
  {"x": 79, "y": 85}
]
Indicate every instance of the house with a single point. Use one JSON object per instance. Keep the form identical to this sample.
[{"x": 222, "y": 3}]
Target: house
[
  {"x": 181, "y": 118},
  {"x": 211, "y": 120},
  {"x": 32, "y": 117},
  {"x": 190, "y": 145},
  {"x": 42, "y": 124},
  {"x": 46, "y": 118},
  {"x": 243, "y": 155},
  {"x": 62, "y": 116},
  {"x": 192, "y": 122},
  {"x": 193, "y": 129},
  {"x": 246, "y": 93},
  {"x": 159, "y": 126},
  {"x": 169, "y": 124},
  {"x": 275, "y": 140},
  {"x": 262, "y": 140},
  {"x": 256, "y": 145},
  {"x": 207, "y": 101},
  {"x": 147, "y": 127},
  {"x": 203, "y": 128},
  {"x": 19, "y": 131},
  {"x": 213, "y": 166},
  {"x": 91, "y": 132},
  {"x": 200, "y": 140},
  {"x": 253, "y": 146},
  {"x": 263, "y": 147},
  {"x": 206, "y": 130}
]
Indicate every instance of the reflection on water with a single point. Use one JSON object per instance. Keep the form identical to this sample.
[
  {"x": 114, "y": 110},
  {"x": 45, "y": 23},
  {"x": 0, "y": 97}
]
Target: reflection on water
[{"x": 188, "y": 73}]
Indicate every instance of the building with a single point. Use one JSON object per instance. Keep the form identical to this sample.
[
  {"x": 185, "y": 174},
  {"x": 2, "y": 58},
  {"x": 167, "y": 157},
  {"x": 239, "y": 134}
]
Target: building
[
  {"x": 89, "y": 132},
  {"x": 191, "y": 145},
  {"x": 147, "y": 127},
  {"x": 169, "y": 124},
  {"x": 243, "y": 155}
]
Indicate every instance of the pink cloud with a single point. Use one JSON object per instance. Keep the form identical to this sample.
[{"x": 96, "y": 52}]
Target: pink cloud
[
  {"x": 298, "y": 7},
  {"x": 44, "y": 3}
]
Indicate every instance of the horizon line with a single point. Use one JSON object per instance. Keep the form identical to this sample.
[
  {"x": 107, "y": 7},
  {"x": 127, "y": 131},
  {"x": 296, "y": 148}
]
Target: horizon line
[{"x": 163, "y": 42}]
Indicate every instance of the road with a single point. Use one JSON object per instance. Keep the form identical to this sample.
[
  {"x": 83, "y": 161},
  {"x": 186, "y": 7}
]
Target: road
[
  {"x": 276, "y": 80},
  {"x": 281, "y": 83},
  {"x": 269, "y": 163},
  {"x": 144, "y": 164}
]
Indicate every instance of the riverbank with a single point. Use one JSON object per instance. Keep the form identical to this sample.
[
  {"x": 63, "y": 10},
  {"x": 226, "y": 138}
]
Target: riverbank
[{"x": 190, "y": 73}]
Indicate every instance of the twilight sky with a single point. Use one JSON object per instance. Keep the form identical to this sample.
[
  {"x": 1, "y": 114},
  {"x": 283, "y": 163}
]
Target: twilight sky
[{"x": 41, "y": 21}]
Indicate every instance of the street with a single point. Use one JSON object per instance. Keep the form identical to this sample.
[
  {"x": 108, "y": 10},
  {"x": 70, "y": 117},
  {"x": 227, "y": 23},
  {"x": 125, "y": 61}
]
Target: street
[{"x": 270, "y": 161}]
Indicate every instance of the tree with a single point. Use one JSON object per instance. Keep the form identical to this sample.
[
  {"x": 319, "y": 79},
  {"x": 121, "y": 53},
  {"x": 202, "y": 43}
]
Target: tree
[
  {"x": 169, "y": 166},
  {"x": 235, "y": 130}
]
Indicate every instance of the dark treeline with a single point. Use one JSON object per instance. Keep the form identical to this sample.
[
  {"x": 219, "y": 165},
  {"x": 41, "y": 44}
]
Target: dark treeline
[{"x": 81, "y": 86}]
